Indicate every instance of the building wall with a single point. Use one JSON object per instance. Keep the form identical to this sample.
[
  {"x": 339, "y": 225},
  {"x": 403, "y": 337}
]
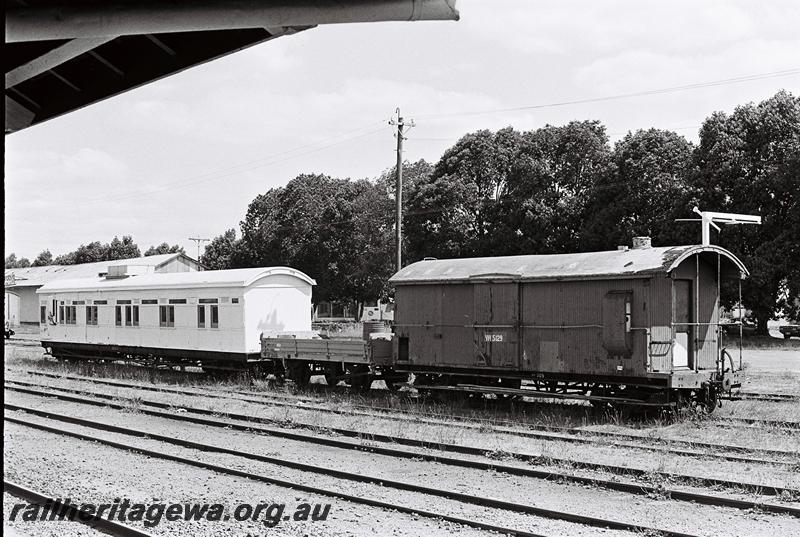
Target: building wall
[
  {"x": 28, "y": 304},
  {"x": 179, "y": 264},
  {"x": 11, "y": 309}
]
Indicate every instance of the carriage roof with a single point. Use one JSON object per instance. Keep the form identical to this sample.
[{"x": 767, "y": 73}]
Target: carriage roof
[{"x": 631, "y": 263}]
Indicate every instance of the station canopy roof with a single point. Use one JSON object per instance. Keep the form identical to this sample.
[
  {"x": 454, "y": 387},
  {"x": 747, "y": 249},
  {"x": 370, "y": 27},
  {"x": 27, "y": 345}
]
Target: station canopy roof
[
  {"x": 581, "y": 266},
  {"x": 174, "y": 280},
  {"x": 62, "y": 55}
]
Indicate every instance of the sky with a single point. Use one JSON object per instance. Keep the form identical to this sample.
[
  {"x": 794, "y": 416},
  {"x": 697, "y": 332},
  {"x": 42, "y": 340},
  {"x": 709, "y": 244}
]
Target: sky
[{"x": 183, "y": 157}]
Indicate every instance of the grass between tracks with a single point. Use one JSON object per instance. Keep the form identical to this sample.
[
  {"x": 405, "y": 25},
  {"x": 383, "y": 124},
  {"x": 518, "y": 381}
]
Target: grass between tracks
[{"x": 482, "y": 414}]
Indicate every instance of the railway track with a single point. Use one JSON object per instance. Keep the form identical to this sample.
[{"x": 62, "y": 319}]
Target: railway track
[
  {"x": 567, "y": 434},
  {"x": 338, "y": 474},
  {"x": 438, "y": 446},
  {"x": 775, "y": 424},
  {"x": 70, "y": 512},
  {"x": 770, "y": 397},
  {"x": 638, "y": 489}
]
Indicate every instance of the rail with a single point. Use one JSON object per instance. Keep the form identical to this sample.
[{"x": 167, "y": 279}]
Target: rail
[
  {"x": 358, "y": 477},
  {"x": 468, "y": 450},
  {"x": 71, "y": 512}
]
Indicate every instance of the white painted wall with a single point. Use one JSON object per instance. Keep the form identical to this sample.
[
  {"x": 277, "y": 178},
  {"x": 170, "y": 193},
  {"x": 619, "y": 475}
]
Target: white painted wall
[
  {"x": 11, "y": 309},
  {"x": 276, "y": 303}
]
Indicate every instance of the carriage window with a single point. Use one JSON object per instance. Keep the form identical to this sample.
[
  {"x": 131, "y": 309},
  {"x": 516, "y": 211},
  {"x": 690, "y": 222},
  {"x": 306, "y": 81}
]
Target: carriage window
[
  {"x": 91, "y": 315},
  {"x": 208, "y": 301},
  {"x": 201, "y": 316},
  {"x": 101, "y": 302},
  {"x": 128, "y": 316},
  {"x": 166, "y": 316},
  {"x": 234, "y": 301},
  {"x": 42, "y": 314},
  {"x": 61, "y": 315},
  {"x": 135, "y": 315},
  {"x": 214, "y": 316},
  {"x": 118, "y": 315},
  {"x": 72, "y": 314},
  {"x": 150, "y": 301},
  {"x": 177, "y": 301}
]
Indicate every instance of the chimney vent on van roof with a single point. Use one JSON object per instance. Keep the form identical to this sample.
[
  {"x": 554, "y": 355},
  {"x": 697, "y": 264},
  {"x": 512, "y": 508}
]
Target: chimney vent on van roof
[
  {"x": 641, "y": 243},
  {"x": 623, "y": 248}
]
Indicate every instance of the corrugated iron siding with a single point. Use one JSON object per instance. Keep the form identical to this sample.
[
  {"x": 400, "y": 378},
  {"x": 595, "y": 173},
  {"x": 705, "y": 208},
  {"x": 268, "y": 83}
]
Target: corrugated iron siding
[
  {"x": 562, "y": 327},
  {"x": 559, "y": 327}
]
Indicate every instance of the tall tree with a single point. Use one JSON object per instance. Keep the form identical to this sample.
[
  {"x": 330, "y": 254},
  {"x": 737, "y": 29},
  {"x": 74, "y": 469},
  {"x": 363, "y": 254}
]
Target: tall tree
[
  {"x": 453, "y": 212},
  {"x": 220, "y": 252},
  {"x": 96, "y": 251},
  {"x": 164, "y": 248},
  {"x": 549, "y": 188},
  {"x": 43, "y": 259},
  {"x": 13, "y": 262},
  {"x": 748, "y": 163},
  {"x": 122, "y": 249},
  {"x": 333, "y": 229},
  {"x": 260, "y": 246},
  {"x": 648, "y": 189}
]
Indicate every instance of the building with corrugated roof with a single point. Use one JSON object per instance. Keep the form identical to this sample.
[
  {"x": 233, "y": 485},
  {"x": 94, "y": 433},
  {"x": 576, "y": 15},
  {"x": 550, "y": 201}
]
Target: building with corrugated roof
[{"x": 24, "y": 282}]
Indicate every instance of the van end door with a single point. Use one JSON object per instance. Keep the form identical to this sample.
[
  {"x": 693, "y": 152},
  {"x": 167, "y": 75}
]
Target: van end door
[{"x": 682, "y": 318}]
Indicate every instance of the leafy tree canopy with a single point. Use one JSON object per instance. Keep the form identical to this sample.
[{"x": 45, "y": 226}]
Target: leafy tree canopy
[
  {"x": 749, "y": 162},
  {"x": 13, "y": 262},
  {"x": 164, "y": 248},
  {"x": 43, "y": 259}
]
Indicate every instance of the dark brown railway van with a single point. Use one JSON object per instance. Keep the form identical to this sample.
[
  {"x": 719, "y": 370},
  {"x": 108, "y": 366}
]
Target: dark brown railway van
[{"x": 640, "y": 322}]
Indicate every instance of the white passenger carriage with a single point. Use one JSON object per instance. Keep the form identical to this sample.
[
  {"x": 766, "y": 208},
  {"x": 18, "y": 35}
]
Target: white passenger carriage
[{"x": 215, "y": 317}]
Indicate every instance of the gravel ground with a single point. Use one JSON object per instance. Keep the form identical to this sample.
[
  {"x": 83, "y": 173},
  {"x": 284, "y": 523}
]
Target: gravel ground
[
  {"x": 20, "y": 528},
  {"x": 679, "y": 516},
  {"x": 603, "y": 452},
  {"x": 96, "y": 473}
]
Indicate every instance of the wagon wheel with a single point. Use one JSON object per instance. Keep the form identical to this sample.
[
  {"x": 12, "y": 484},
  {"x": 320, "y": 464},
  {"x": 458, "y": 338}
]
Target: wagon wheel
[
  {"x": 361, "y": 379},
  {"x": 332, "y": 373},
  {"x": 514, "y": 384},
  {"x": 390, "y": 378},
  {"x": 280, "y": 376},
  {"x": 299, "y": 373}
]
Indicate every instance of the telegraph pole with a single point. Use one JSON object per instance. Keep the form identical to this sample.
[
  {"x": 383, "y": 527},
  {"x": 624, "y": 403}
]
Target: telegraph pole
[
  {"x": 400, "y": 124},
  {"x": 199, "y": 242}
]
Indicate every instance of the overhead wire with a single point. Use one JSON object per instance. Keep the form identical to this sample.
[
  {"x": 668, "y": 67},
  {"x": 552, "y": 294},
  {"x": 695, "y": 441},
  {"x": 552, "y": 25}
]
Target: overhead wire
[
  {"x": 241, "y": 168},
  {"x": 350, "y": 135},
  {"x": 726, "y": 81}
]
